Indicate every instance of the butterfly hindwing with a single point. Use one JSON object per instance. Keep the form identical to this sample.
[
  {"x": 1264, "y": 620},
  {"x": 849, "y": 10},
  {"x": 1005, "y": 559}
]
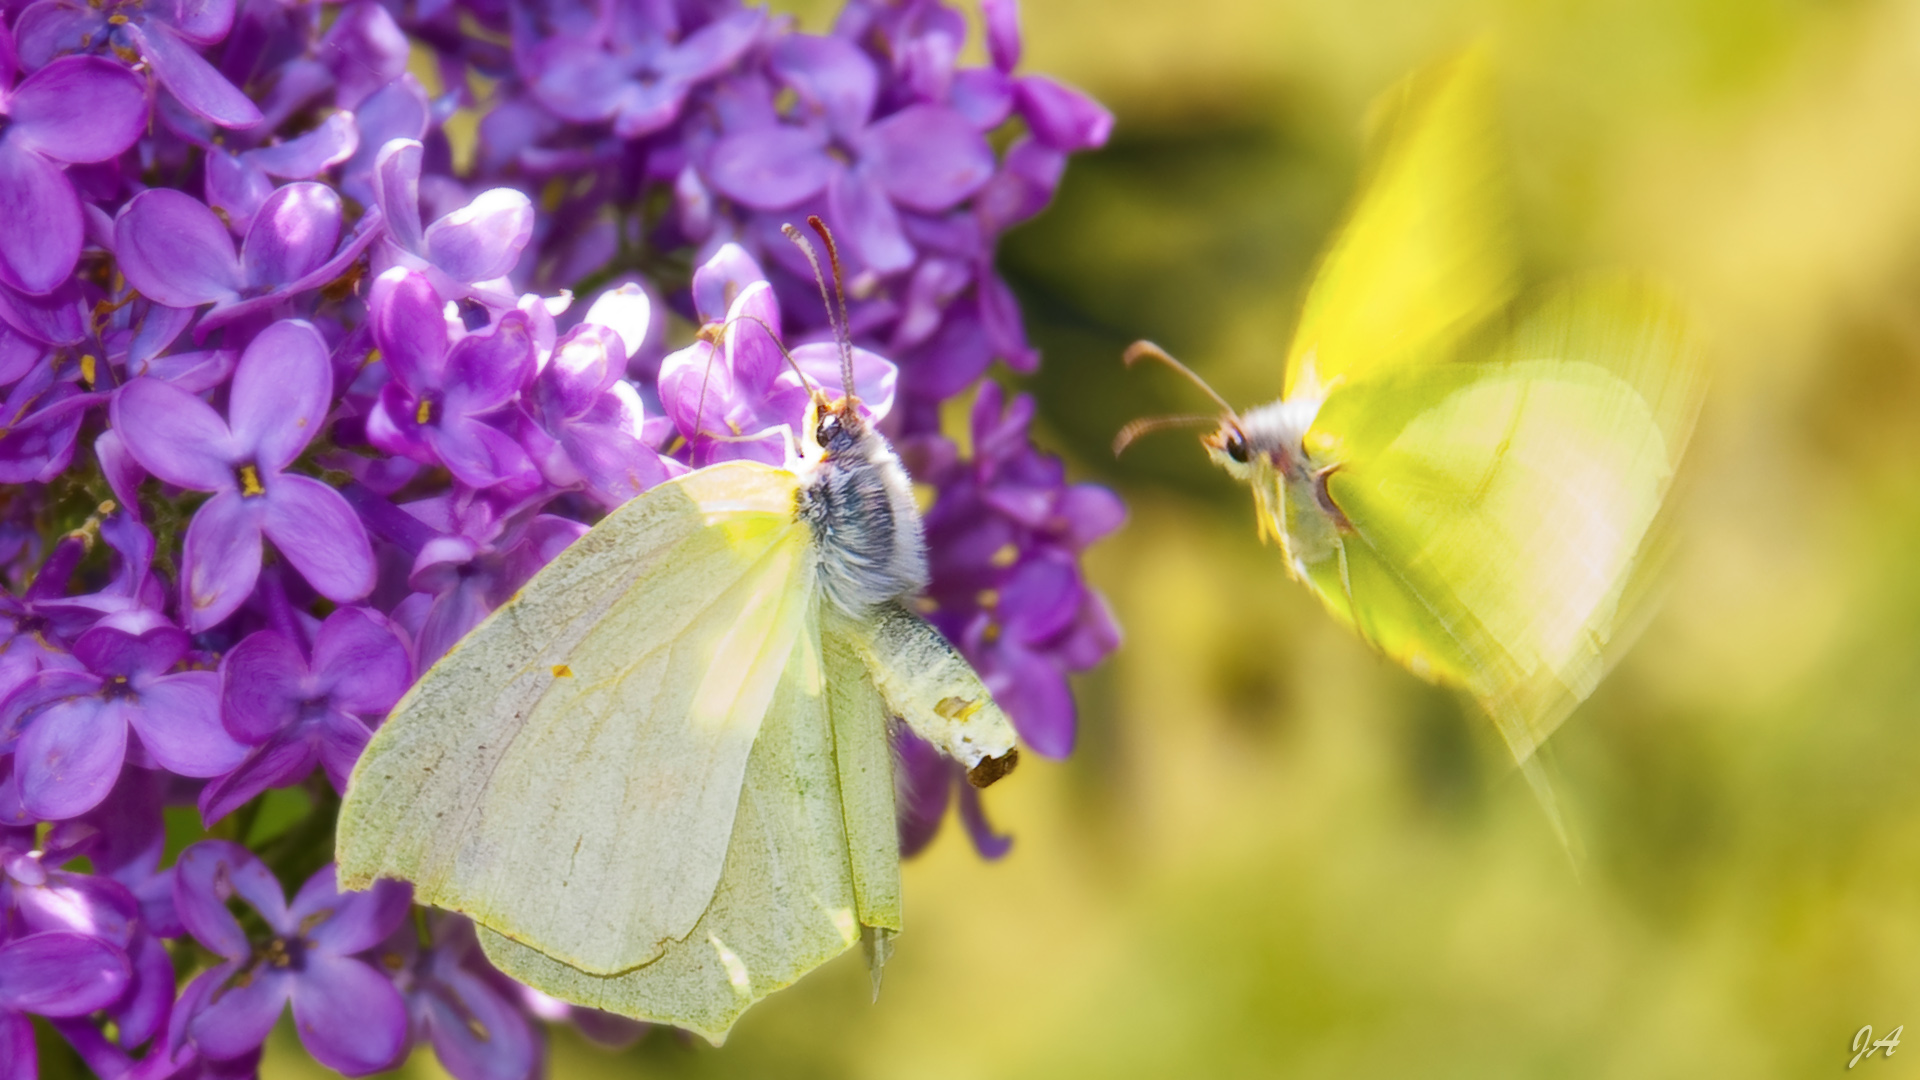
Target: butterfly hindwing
[
  {"x": 1500, "y": 506},
  {"x": 813, "y": 864},
  {"x": 568, "y": 774}
]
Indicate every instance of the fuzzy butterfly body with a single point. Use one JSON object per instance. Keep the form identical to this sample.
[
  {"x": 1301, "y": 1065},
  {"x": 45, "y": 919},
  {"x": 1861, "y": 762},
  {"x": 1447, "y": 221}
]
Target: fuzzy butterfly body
[
  {"x": 659, "y": 778},
  {"x": 1471, "y": 481}
]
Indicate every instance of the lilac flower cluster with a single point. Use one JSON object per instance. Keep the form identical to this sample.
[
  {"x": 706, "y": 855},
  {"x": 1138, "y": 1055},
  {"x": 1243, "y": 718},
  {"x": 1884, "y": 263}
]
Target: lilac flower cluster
[{"x": 297, "y": 390}]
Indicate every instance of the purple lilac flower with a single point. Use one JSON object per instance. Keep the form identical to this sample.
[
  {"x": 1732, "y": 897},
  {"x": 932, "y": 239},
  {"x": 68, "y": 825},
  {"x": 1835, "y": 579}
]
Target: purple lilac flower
[
  {"x": 77, "y": 109},
  {"x": 346, "y": 1010},
  {"x": 284, "y": 305},
  {"x": 52, "y": 974},
  {"x": 443, "y": 392},
  {"x": 456, "y": 1002},
  {"x": 164, "y": 35},
  {"x": 174, "y": 250},
  {"x": 68, "y": 729},
  {"x": 297, "y": 712},
  {"x": 281, "y": 390}
]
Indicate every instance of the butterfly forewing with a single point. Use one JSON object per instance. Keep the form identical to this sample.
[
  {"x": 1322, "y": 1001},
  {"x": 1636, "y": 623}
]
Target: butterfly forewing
[
  {"x": 1425, "y": 252},
  {"x": 568, "y": 774}
]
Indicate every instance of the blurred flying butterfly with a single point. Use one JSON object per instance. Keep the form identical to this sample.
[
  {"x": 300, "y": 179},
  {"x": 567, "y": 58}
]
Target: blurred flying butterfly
[
  {"x": 658, "y": 777},
  {"x": 1471, "y": 483}
]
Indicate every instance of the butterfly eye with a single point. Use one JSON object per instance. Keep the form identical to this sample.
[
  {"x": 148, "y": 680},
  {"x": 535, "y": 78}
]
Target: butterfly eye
[
  {"x": 825, "y": 430},
  {"x": 1237, "y": 448}
]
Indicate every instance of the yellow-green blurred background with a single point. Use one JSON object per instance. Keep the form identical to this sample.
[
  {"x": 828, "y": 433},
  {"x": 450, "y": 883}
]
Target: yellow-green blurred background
[{"x": 1277, "y": 855}]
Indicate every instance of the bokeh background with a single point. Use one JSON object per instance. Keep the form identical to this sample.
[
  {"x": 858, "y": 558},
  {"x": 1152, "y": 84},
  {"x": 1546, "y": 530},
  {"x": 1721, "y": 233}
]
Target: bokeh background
[{"x": 1275, "y": 854}]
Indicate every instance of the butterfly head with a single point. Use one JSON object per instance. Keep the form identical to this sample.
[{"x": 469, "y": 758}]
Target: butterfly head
[{"x": 834, "y": 428}]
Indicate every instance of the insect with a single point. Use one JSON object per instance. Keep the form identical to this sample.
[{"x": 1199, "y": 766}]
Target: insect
[
  {"x": 1472, "y": 482},
  {"x": 658, "y": 778}
]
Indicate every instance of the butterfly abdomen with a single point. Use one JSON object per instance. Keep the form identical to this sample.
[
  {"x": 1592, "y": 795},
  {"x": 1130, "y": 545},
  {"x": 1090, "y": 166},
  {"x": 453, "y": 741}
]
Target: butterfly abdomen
[{"x": 859, "y": 504}]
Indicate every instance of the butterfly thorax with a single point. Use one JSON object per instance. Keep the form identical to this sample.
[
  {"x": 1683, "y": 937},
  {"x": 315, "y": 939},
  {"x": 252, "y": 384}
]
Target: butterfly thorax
[
  {"x": 858, "y": 501},
  {"x": 1266, "y": 448}
]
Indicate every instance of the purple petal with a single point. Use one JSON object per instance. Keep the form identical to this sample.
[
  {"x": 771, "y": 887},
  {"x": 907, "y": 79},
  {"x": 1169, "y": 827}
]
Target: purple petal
[
  {"x": 1090, "y": 512},
  {"x": 265, "y": 680},
  {"x": 40, "y": 226},
  {"x": 19, "y": 1056},
  {"x": 77, "y": 109},
  {"x": 714, "y": 47},
  {"x": 874, "y": 376},
  {"x": 478, "y": 453},
  {"x": 482, "y": 240},
  {"x": 396, "y": 173},
  {"x": 722, "y": 278},
  {"x": 69, "y": 757},
  {"x": 644, "y": 108},
  {"x": 771, "y": 168},
  {"x": 1062, "y": 117},
  {"x": 349, "y": 922},
  {"x": 293, "y": 234},
  {"x": 927, "y": 157},
  {"x": 204, "y": 91},
  {"x": 477, "y": 1034},
  {"x": 221, "y": 560},
  {"x": 240, "y": 1012},
  {"x": 349, "y": 1016},
  {"x": 281, "y": 391},
  {"x": 56, "y": 318},
  {"x": 203, "y": 22},
  {"x": 486, "y": 370},
  {"x": 1035, "y": 696},
  {"x": 236, "y": 187},
  {"x": 752, "y": 341},
  {"x": 830, "y": 73},
  {"x": 990, "y": 844},
  {"x": 312, "y": 525},
  {"x": 178, "y": 721},
  {"x": 341, "y": 739},
  {"x": 361, "y": 661},
  {"x": 307, "y": 156},
  {"x": 410, "y": 329},
  {"x": 174, "y": 251},
  {"x": 866, "y": 220},
  {"x": 923, "y": 781},
  {"x": 209, "y": 874},
  {"x": 283, "y": 760},
  {"x": 131, "y": 644},
  {"x": 61, "y": 974},
  {"x": 366, "y": 50},
  {"x": 174, "y": 435},
  {"x": 45, "y": 31},
  {"x": 576, "y": 81},
  {"x": 584, "y": 365},
  {"x": 1003, "y": 32},
  {"x": 983, "y": 95},
  {"x": 628, "y": 312}
]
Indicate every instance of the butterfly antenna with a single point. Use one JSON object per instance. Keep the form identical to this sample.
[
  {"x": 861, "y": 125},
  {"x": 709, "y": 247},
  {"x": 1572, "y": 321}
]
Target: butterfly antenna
[
  {"x": 1150, "y": 424},
  {"x": 840, "y": 295},
  {"x": 1147, "y": 350},
  {"x": 775, "y": 338},
  {"x": 826, "y": 298}
]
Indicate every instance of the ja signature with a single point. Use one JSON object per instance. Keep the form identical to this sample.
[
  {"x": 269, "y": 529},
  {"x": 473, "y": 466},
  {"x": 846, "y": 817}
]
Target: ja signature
[{"x": 1864, "y": 1044}]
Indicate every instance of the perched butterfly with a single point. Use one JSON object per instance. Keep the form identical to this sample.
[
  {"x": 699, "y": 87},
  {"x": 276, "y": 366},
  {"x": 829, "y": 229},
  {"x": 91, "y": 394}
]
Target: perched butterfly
[
  {"x": 1470, "y": 482},
  {"x": 658, "y": 777}
]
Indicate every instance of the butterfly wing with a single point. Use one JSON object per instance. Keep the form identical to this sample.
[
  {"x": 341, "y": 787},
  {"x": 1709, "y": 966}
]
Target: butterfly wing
[
  {"x": 568, "y": 775},
  {"x": 1425, "y": 253},
  {"x": 813, "y": 866},
  {"x": 1500, "y": 508}
]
